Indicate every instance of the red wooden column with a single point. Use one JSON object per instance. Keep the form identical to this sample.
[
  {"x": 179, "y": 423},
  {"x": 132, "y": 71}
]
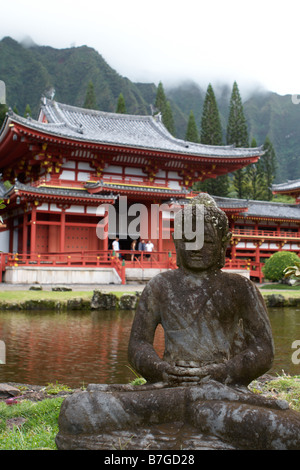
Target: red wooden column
[
  {"x": 33, "y": 230},
  {"x": 62, "y": 230},
  {"x": 25, "y": 234}
]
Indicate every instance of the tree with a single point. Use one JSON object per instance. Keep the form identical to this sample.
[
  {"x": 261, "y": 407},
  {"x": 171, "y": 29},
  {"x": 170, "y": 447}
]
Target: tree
[
  {"x": 211, "y": 129},
  {"x": 28, "y": 111},
  {"x": 160, "y": 100},
  {"x": 254, "y": 178},
  {"x": 167, "y": 118},
  {"x": 211, "y": 134},
  {"x": 164, "y": 106},
  {"x": 192, "y": 134},
  {"x": 3, "y": 111},
  {"x": 90, "y": 97},
  {"x": 237, "y": 134},
  {"x": 269, "y": 164},
  {"x": 121, "y": 107},
  {"x": 275, "y": 266}
]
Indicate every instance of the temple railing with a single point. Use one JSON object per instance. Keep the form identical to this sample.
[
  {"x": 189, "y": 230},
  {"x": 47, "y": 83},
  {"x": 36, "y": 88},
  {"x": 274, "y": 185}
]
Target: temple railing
[
  {"x": 249, "y": 233},
  {"x": 109, "y": 259}
]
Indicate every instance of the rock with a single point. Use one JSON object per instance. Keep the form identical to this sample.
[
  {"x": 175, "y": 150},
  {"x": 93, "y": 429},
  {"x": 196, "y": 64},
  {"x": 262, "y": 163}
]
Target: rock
[
  {"x": 103, "y": 301},
  {"x": 128, "y": 302},
  {"x": 39, "y": 304},
  {"x": 36, "y": 287},
  {"x": 7, "y": 390},
  {"x": 61, "y": 289},
  {"x": 275, "y": 300},
  {"x": 74, "y": 304}
]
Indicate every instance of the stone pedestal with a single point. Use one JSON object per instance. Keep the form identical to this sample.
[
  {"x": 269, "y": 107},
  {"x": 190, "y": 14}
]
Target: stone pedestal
[{"x": 208, "y": 416}]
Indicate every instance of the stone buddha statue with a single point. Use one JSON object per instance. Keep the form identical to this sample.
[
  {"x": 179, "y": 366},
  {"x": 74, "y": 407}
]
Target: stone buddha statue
[
  {"x": 217, "y": 340},
  {"x": 215, "y": 323}
]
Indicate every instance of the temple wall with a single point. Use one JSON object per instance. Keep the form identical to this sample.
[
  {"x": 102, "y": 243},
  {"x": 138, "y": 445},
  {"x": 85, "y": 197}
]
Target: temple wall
[{"x": 62, "y": 275}]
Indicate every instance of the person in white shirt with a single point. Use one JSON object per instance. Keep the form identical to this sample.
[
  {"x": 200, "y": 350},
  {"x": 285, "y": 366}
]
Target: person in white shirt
[
  {"x": 149, "y": 248},
  {"x": 116, "y": 246}
]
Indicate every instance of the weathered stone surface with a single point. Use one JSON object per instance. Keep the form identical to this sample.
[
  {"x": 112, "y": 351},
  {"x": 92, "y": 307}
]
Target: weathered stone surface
[
  {"x": 128, "y": 302},
  {"x": 275, "y": 300},
  {"x": 211, "y": 416},
  {"x": 61, "y": 289},
  {"x": 7, "y": 390},
  {"x": 217, "y": 340},
  {"x": 103, "y": 301}
]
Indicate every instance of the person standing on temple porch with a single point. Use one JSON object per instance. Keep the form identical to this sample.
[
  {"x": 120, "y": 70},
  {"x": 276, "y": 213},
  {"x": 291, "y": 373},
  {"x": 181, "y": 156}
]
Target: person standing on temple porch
[
  {"x": 116, "y": 247},
  {"x": 149, "y": 248}
]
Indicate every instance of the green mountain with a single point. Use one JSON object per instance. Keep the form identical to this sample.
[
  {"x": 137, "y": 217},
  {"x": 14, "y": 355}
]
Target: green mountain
[{"x": 31, "y": 71}]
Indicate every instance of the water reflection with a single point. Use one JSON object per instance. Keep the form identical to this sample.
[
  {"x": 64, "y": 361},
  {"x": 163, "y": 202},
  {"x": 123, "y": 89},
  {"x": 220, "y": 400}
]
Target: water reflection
[{"x": 82, "y": 347}]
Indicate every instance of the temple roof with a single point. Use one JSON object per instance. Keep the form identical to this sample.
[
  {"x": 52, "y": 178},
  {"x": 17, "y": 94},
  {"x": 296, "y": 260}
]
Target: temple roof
[
  {"x": 261, "y": 209},
  {"x": 49, "y": 192},
  {"x": 134, "y": 131},
  {"x": 290, "y": 185}
]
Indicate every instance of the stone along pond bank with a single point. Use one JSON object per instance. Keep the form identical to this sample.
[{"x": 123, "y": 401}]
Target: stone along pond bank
[{"x": 99, "y": 300}]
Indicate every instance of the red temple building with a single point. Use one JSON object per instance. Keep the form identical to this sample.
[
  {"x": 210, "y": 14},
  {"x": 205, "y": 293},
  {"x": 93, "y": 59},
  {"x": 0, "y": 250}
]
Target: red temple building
[{"x": 70, "y": 161}]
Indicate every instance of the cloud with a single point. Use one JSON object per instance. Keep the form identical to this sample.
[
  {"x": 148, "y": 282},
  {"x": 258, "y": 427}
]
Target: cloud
[{"x": 170, "y": 40}]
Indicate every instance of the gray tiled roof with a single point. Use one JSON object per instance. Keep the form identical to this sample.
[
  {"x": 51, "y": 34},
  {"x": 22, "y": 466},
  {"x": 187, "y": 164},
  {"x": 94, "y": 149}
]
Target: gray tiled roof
[
  {"x": 145, "y": 132},
  {"x": 287, "y": 186},
  {"x": 67, "y": 192},
  {"x": 274, "y": 210},
  {"x": 150, "y": 189}
]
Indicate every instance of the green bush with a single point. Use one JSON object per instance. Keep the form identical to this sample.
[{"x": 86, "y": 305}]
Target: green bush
[{"x": 274, "y": 267}]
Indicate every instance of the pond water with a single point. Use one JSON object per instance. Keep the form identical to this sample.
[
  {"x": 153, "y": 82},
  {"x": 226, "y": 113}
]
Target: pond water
[{"x": 79, "y": 348}]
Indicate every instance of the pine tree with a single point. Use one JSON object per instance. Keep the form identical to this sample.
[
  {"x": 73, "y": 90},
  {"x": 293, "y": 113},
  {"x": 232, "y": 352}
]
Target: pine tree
[
  {"x": 28, "y": 112},
  {"x": 211, "y": 129},
  {"x": 192, "y": 134},
  {"x": 164, "y": 106},
  {"x": 269, "y": 164},
  {"x": 167, "y": 118},
  {"x": 237, "y": 134},
  {"x": 254, "y": 178},
  {"x": 121, "y": 107},
  {"x": 90, "y": 97},
  {"x": 211, "y": 134},
  {"x": 160, "y": 100}
]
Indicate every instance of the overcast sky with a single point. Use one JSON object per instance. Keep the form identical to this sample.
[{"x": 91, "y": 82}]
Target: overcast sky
[{"x": 255, "y": 43}]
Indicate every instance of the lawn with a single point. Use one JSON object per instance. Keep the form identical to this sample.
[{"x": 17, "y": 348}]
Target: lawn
[
  {"x": 23, "y": 295},
  {"x": 29, "y": 425}
]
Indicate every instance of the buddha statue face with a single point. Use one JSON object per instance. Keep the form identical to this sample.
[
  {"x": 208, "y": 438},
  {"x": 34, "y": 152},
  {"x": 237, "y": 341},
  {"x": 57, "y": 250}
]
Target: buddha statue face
[{"x": 211, "y": 255}]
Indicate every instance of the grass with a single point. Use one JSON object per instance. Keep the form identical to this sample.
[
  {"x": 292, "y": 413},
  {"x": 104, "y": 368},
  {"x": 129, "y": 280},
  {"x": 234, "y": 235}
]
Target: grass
[
  {"x": 38, "y": 421},
  {"x": 15, "y": 296},
  {"x": 284, "y": 387},
  {"x": 39, "y": 429},
  {"x": 280, "y": 287},
  {"x": 22, "y": 296}
]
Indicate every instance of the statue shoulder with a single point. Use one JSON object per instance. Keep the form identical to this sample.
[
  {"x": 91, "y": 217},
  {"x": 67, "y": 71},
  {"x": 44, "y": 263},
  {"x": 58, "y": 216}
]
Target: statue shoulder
[{"x": 239, "y": 283}]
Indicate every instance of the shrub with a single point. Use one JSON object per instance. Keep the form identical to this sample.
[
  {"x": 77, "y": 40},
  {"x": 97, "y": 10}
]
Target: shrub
[{"x": 274, "y": 267}]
